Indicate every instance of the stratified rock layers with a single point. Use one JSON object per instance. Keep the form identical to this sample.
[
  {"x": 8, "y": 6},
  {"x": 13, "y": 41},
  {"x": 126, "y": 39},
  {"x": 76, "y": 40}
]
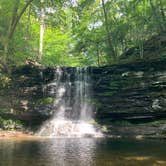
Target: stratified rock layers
[{"x": 134, "y": 92}]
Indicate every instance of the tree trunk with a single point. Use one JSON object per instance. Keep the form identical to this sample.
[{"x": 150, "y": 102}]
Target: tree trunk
[
  {"x": 42, "y": 17},
  {"x": 5, "y": 58},
  {"x": 109, "y": 40},
  {"x": 162, "y": 14},
  {"x": 98, "y": 54},
  {"x": 17, "y": 19},
  {"x": 14, "y": 16},
  {"x": 12, "y": 26},
  {"x": 156, "y": 16},
  {"x": 29, "y": 21}
]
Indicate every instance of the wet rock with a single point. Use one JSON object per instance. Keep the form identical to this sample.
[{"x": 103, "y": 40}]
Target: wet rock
[{"x": 133, "y": 92}]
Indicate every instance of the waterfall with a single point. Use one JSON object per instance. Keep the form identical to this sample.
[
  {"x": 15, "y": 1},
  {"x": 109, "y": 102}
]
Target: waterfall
[
  {"x": 73, "y": 111},
  {"x": 82, "y": 94}
]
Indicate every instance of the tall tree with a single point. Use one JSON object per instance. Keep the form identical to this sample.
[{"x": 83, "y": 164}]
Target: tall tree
[
  {"x": 109, "y": 39},
  {"x": 156, "y": 15},
  {"x": 16, "y": 16},
  {"x": 42, "y": 19}
]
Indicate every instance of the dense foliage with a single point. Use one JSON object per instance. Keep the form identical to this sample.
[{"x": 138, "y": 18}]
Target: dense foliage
[{"x": 76, "y": 32}]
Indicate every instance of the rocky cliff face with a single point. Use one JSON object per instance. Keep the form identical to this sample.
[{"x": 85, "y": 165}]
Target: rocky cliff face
[{"x": 134, "y": 92}]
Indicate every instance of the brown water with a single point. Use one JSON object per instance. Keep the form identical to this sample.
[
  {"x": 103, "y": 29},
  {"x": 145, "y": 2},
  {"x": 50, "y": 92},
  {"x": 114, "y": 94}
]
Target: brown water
[{"x": 82, "y": 152}]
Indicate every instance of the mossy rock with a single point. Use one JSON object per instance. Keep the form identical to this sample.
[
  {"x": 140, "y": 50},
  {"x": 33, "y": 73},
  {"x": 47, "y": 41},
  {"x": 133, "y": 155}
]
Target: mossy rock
[
  {"x": 4, "y": 110},
  {"x": 45, "y": 101}
]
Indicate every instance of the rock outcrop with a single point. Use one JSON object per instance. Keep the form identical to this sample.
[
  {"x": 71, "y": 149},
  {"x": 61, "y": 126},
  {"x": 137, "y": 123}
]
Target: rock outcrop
[{"x": 132, "y": 92}]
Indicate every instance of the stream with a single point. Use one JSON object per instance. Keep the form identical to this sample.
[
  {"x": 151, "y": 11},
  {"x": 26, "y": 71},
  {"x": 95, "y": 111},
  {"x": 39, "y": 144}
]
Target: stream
[{"x": 82, "y": 152}]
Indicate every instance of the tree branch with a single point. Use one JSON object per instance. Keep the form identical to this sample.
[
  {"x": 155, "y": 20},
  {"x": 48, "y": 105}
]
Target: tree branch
[{"x": 18, "y": 19}]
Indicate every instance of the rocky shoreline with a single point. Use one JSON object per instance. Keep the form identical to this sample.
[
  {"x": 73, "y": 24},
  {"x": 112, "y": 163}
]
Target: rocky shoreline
[
  {"x": 114, "y": 131},
  {"x": 13, "y": 134}
]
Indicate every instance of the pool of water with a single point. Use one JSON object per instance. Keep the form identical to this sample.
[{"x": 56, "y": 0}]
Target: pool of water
[{"x": 82, "y": 152}]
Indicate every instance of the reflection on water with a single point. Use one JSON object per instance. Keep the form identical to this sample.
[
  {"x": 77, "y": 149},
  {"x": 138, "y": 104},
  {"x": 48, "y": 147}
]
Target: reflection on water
[{"x": 82, "y": 152}]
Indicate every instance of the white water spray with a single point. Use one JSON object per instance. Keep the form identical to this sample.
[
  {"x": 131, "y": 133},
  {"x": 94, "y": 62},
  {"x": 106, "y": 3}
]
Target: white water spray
[{"x": 73, "y": 108}]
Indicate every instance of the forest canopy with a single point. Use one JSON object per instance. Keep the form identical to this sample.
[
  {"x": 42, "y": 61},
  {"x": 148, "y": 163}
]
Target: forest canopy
[{"x": 76, "y": 32}]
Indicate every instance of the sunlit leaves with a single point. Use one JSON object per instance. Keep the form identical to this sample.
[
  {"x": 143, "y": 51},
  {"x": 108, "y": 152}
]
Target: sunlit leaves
[{"x": 75, "y": 32}]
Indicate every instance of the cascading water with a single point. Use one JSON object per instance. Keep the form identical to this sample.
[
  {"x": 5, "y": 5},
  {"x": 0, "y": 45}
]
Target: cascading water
[{"x": 72, "y": 108}]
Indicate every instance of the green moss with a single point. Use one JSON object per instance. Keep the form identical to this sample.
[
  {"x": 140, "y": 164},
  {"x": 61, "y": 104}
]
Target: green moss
[
  {"x": 156, "y": 123},
  {"x": 104, "y": 129},
  {"x": 4, "y": 110},
  {"x": 111, "y": 93},
  {"x": 96, "y": 103},
  {"x": 93, "y": 122},
  {"x": 45, "y": 101}
]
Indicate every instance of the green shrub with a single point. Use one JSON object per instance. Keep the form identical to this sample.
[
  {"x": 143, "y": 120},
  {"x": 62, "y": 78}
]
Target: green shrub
[{"x": 10, "y": 124}]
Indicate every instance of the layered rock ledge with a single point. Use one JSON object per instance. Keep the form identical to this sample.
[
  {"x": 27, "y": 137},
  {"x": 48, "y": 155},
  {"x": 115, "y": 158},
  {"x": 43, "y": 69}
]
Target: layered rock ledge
[{"x": 135, "y": 93}]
